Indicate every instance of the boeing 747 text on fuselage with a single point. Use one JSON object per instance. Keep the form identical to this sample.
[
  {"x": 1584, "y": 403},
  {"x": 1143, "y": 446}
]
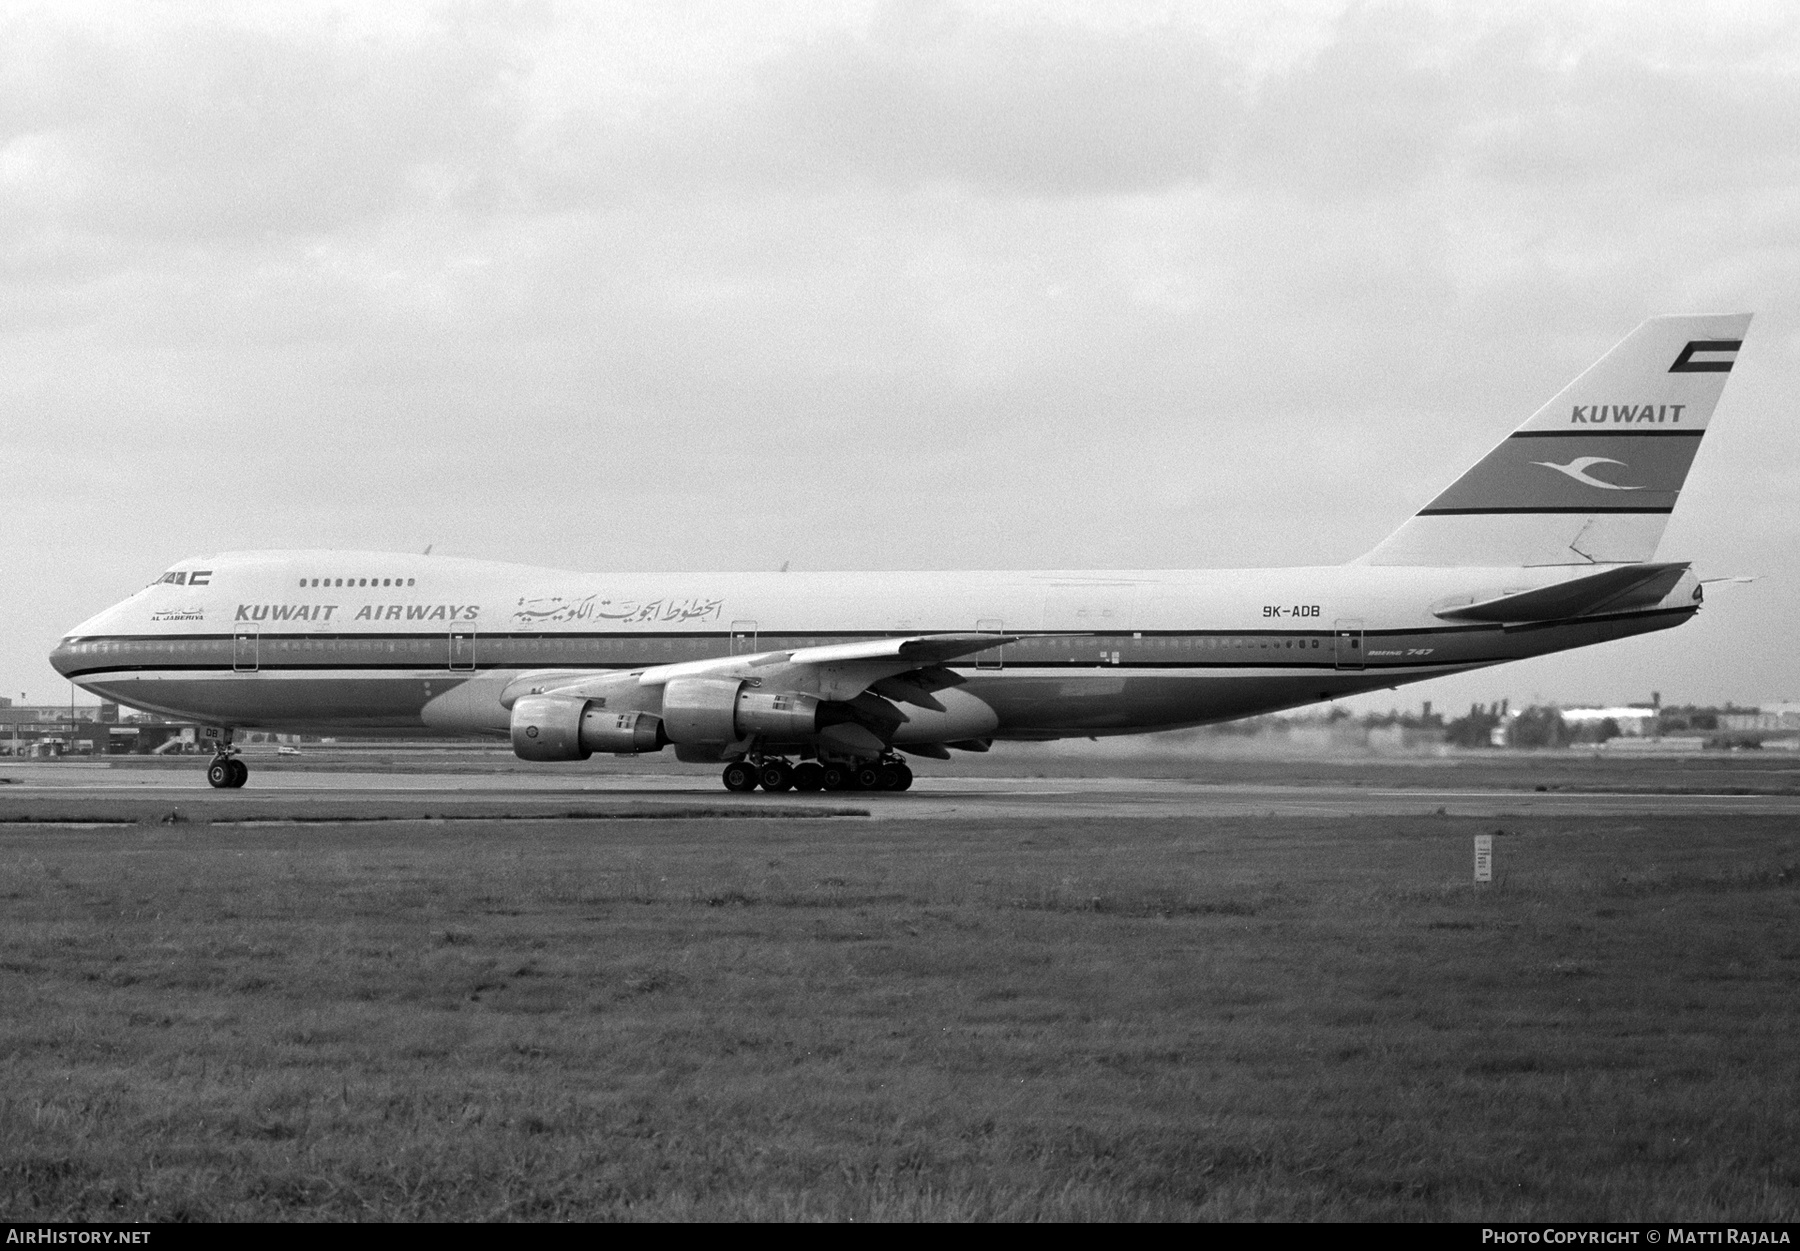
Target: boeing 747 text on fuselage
[{"x": 823, "y": 680}]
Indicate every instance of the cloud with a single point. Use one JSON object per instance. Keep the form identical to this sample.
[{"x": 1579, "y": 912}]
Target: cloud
[
  {"x": 1044, "y": 109},
  {"x": 206, "y": 134},
  {"x": 905, "y": 285}
]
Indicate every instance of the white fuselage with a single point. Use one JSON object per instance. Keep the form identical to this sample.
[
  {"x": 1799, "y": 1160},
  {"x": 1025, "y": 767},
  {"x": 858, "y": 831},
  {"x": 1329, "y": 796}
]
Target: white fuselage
[{"x": 323, "y": 641}]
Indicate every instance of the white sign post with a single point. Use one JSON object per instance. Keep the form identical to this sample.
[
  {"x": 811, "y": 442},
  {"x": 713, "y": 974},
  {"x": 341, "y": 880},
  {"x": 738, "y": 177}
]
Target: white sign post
[{"x": 1484, "y": 857}]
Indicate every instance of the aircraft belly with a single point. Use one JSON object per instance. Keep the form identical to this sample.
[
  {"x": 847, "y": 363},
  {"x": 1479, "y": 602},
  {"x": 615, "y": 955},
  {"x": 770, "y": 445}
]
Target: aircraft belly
[
  {"x": 316, "y": 702},
  {"x": 1060, "y": 704}
]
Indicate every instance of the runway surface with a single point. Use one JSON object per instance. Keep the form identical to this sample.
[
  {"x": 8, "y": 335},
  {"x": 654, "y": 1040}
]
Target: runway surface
[{"x": 40, "y": 792}]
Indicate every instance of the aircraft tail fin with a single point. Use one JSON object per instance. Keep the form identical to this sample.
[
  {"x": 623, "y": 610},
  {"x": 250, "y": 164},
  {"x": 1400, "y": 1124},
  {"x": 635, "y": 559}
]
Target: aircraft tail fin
[{"x": 1592, "y": 477}]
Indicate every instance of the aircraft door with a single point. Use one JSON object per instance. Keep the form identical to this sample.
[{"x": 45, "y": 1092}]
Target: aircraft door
[
  {"x": 462, "y": 647},
  {"x": 246, "y": 649},
  {"x": 1347, "y": 638},
  {"x": 743, "y": 638},
  {"x": 994, "y": 657}
]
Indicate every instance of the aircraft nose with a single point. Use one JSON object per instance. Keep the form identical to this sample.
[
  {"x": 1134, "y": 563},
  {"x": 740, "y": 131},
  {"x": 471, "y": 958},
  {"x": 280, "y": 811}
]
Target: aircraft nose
[{"x": 64, "y": 657}]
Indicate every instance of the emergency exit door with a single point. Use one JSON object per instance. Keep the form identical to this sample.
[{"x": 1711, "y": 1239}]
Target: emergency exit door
[{"x": 1347, "y": 637}]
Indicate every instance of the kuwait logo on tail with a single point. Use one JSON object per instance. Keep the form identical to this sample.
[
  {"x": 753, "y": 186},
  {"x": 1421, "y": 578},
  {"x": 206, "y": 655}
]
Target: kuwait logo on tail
[
  {"x": 1719, "y": 355},
  {"x": 1578, "y": 470}
]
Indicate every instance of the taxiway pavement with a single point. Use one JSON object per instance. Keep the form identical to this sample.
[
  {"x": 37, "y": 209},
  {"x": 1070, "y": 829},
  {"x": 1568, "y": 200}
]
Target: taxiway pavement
[{"x": 43, "y": 791}]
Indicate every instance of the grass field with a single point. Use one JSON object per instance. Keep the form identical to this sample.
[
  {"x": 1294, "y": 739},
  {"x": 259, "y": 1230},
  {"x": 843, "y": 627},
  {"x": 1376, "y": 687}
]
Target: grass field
[{"x": 856, "y": 1019}]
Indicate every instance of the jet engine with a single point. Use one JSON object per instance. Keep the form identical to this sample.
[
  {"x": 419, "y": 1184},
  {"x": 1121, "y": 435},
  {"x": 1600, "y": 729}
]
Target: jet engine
[
  {"x": 724, "y": 710},
  {"x": 546, "y": 727},
  {"x": 694, "y": 710}
]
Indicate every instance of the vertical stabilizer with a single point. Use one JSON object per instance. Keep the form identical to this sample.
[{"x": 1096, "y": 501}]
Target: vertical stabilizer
[{"x": 1592, "y": 477}]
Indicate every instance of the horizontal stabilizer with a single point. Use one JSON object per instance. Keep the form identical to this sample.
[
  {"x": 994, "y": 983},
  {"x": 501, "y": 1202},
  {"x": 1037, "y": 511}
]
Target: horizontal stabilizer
[{"x": 1612, "y": 590}]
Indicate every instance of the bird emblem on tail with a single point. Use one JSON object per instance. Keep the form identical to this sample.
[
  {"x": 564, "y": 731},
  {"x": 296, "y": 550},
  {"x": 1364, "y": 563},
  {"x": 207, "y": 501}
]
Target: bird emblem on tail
[{"x": 1578, "y": 470}]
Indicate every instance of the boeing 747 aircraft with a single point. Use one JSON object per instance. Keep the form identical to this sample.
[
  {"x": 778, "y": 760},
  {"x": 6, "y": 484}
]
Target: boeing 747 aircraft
[{"x": 822, "y": 680}]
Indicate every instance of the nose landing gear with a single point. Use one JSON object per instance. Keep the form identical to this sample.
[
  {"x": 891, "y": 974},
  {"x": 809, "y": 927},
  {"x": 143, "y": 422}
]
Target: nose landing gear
[{"x": 227, "y": 772}]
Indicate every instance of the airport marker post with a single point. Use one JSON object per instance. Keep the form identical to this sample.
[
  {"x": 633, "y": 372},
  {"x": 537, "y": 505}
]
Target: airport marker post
[{"x": 1484, "y": 857}]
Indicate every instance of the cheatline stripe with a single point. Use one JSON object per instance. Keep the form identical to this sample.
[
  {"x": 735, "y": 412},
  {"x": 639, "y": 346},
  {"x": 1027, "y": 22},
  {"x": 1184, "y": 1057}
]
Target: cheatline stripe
[
  {"x": 1021, "y": 670},
  {"x": 1608, "y": 431},
  {"x": 1574, "y": 508},
  {"x": 486, "y": 640}
]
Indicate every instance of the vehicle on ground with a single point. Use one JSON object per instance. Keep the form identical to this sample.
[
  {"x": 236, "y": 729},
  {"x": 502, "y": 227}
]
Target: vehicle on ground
[{"x": 828, "y": 680}]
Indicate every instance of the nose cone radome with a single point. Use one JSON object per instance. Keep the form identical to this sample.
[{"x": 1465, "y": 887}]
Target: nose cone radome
[{"x": 77, "y": 645}]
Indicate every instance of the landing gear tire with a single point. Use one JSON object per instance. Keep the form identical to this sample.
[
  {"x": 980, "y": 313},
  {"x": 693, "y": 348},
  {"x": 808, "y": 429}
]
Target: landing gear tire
[
  {"x": 905, "y": 779},
  {"x": 739, "y": 776},
  {"x": 776, "y": 775},
  {"x": 808, "y": 777},
  {"x": 890, "y": 778},
  {"x": 868, "y": 778},
  {"x": 836, "y": 778},
  {"x": 227, "y": 773}
]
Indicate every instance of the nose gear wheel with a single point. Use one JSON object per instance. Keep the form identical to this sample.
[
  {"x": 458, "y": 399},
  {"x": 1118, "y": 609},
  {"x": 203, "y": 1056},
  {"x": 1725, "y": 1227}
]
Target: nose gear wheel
[{"x": 227, "y": 773}]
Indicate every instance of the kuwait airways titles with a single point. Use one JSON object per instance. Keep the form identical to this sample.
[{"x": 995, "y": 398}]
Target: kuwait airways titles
[{"x": 368, "y": 612}]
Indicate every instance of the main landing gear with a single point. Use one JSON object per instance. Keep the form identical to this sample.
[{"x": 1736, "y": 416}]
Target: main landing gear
[
  {"x": 227, "y": 772},
  {"x": 888, "y": 774}
]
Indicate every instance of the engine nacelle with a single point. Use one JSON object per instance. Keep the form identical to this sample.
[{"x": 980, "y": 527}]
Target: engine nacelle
[
  {"x": 701, "y": 710},
  {"x": 621, "y": 733},
  {"x": 778, "y": 715},
  {"x": 724, "y": 710},
  {"x": 548, "y": 727}
]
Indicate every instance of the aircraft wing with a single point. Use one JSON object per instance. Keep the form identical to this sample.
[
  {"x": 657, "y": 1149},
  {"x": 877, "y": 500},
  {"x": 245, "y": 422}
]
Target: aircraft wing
[
  {"x": 830, "y": 670},
  {"x": 920, "y": 649},
  {"x": 906, "y": 669}
]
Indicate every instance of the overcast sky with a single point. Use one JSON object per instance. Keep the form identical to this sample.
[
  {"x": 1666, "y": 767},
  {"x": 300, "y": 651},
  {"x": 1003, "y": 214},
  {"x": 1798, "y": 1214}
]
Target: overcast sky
[{"x": 909, "y": 285}]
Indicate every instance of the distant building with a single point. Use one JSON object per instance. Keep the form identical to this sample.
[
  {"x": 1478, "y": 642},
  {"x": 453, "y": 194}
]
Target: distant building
[
  {"x": 1633, "y": 720},
  {"x": 1771, "y": 717},
  {"x": 82, "y": 730}
]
